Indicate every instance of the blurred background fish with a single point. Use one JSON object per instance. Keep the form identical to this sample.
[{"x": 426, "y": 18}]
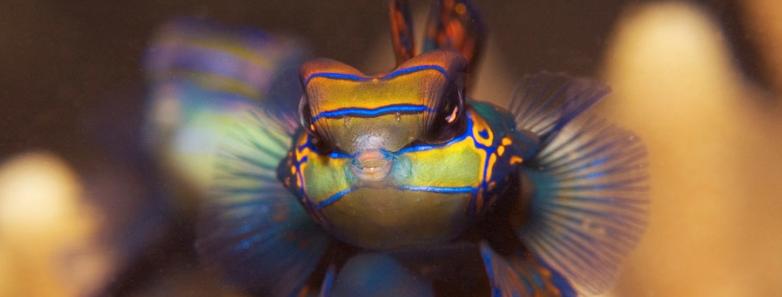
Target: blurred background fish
[
  {"x": 698, "y": 81},
  {"x": 202, "y": 78}
]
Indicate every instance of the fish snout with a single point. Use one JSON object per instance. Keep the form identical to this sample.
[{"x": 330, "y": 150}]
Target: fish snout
[{"x": 372, "y": 165}]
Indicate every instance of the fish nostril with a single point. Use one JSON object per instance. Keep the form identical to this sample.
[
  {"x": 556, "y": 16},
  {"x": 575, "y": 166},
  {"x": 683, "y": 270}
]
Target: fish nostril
[{"x": 372, "y": 165}]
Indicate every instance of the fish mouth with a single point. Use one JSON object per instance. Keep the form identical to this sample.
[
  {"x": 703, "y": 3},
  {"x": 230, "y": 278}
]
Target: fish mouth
[{"x": 372, "y": 165}]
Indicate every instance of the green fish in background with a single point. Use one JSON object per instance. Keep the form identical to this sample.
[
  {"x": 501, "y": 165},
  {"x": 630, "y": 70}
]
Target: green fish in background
[
  {"x": 202, "y": 77},
  {"x": 398, "y": 184}
]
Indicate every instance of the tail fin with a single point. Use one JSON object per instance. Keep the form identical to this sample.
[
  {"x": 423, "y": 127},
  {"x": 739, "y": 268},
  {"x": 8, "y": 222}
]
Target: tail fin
[
  {"x": 521, "y": 274},
  {"x": 588, "y": 206},
  {"x": 252, "y": 228}
]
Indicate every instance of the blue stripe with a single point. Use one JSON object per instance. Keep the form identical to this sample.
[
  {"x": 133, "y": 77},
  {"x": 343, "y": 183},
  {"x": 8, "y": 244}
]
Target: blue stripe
[
  {"x": 333, "y": 198},
  {"x": 408, "y": 70},
  {"x": 335, "y": 75},
  {"x": 366, "y": 112},
  {"x": 393, "y": 74},
  {"x": 424, "y": 147},
  {"x": 447, "y": 190}
]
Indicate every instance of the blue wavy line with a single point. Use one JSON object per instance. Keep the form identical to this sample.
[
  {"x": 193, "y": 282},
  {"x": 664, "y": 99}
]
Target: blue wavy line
[
  {"x": 448, "y": 190},
  {"x": 367, "y": 112}
]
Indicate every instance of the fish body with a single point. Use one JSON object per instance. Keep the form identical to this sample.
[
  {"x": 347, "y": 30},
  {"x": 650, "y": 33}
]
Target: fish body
[{"x": 399, "y": 182}]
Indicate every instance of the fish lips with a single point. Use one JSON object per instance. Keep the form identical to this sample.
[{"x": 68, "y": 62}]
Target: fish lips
[{"x": 372, "y": 166}]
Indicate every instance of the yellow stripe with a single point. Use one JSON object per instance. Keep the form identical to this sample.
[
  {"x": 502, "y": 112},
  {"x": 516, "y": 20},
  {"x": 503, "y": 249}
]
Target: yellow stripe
[
  {"x": 418, "y": 88},
  {"x": 490, "y": 168}
]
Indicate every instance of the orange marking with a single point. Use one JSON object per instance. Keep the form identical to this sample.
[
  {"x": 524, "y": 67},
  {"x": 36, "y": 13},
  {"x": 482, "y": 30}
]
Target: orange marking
[
  {"x": 516, "y": 160},
  {"x": 506, "y": 141},
  {"x": 302, "y": 169},
  {"x": 302, "y": 140},
  {"x": 301, "y": 153},
  {"x": 492, "y": 160},
  {"x": 479, "y": 125},
  {"x": 501, "y": 150}
]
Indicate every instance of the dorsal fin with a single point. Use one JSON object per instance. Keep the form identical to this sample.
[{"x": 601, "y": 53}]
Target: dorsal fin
[
  {"x": 455, "y": 25},
  {"x": 452, "y": 25},
  {"x": 402, "y": 37}
]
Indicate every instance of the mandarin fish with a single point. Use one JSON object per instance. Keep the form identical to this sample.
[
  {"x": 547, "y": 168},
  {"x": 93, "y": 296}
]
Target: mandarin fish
[{"x": 399, "y": 184}]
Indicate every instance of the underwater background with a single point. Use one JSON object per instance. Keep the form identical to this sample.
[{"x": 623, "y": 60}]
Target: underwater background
[{"x": 84, "y": 211}]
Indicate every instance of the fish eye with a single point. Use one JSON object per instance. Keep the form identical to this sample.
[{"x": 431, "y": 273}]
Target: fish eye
[
  {"x": 305, "y": 115},
  {"x": 456, "y": 108},
  {"x": 449, "y": 118}
]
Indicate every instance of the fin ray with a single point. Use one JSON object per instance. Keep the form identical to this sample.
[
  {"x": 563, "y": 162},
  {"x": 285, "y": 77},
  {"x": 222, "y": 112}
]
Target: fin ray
[
  {"x": 588, "y": 204},
  {"x": 252, "y": 228},
  {"x": 544, "y": 103}
]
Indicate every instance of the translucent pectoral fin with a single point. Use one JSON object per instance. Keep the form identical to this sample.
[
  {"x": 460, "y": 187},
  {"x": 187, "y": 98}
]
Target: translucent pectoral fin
[
  {"x": 543, "y": 104},
  {"x": 588, "y": 202},
  {"x": 252, "y": 228}
]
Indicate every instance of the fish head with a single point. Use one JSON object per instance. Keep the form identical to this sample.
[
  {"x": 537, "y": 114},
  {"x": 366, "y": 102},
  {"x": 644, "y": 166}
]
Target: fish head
[
  {"x": 377, "y": 163},
  {"x": 350, "y": 112}
]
